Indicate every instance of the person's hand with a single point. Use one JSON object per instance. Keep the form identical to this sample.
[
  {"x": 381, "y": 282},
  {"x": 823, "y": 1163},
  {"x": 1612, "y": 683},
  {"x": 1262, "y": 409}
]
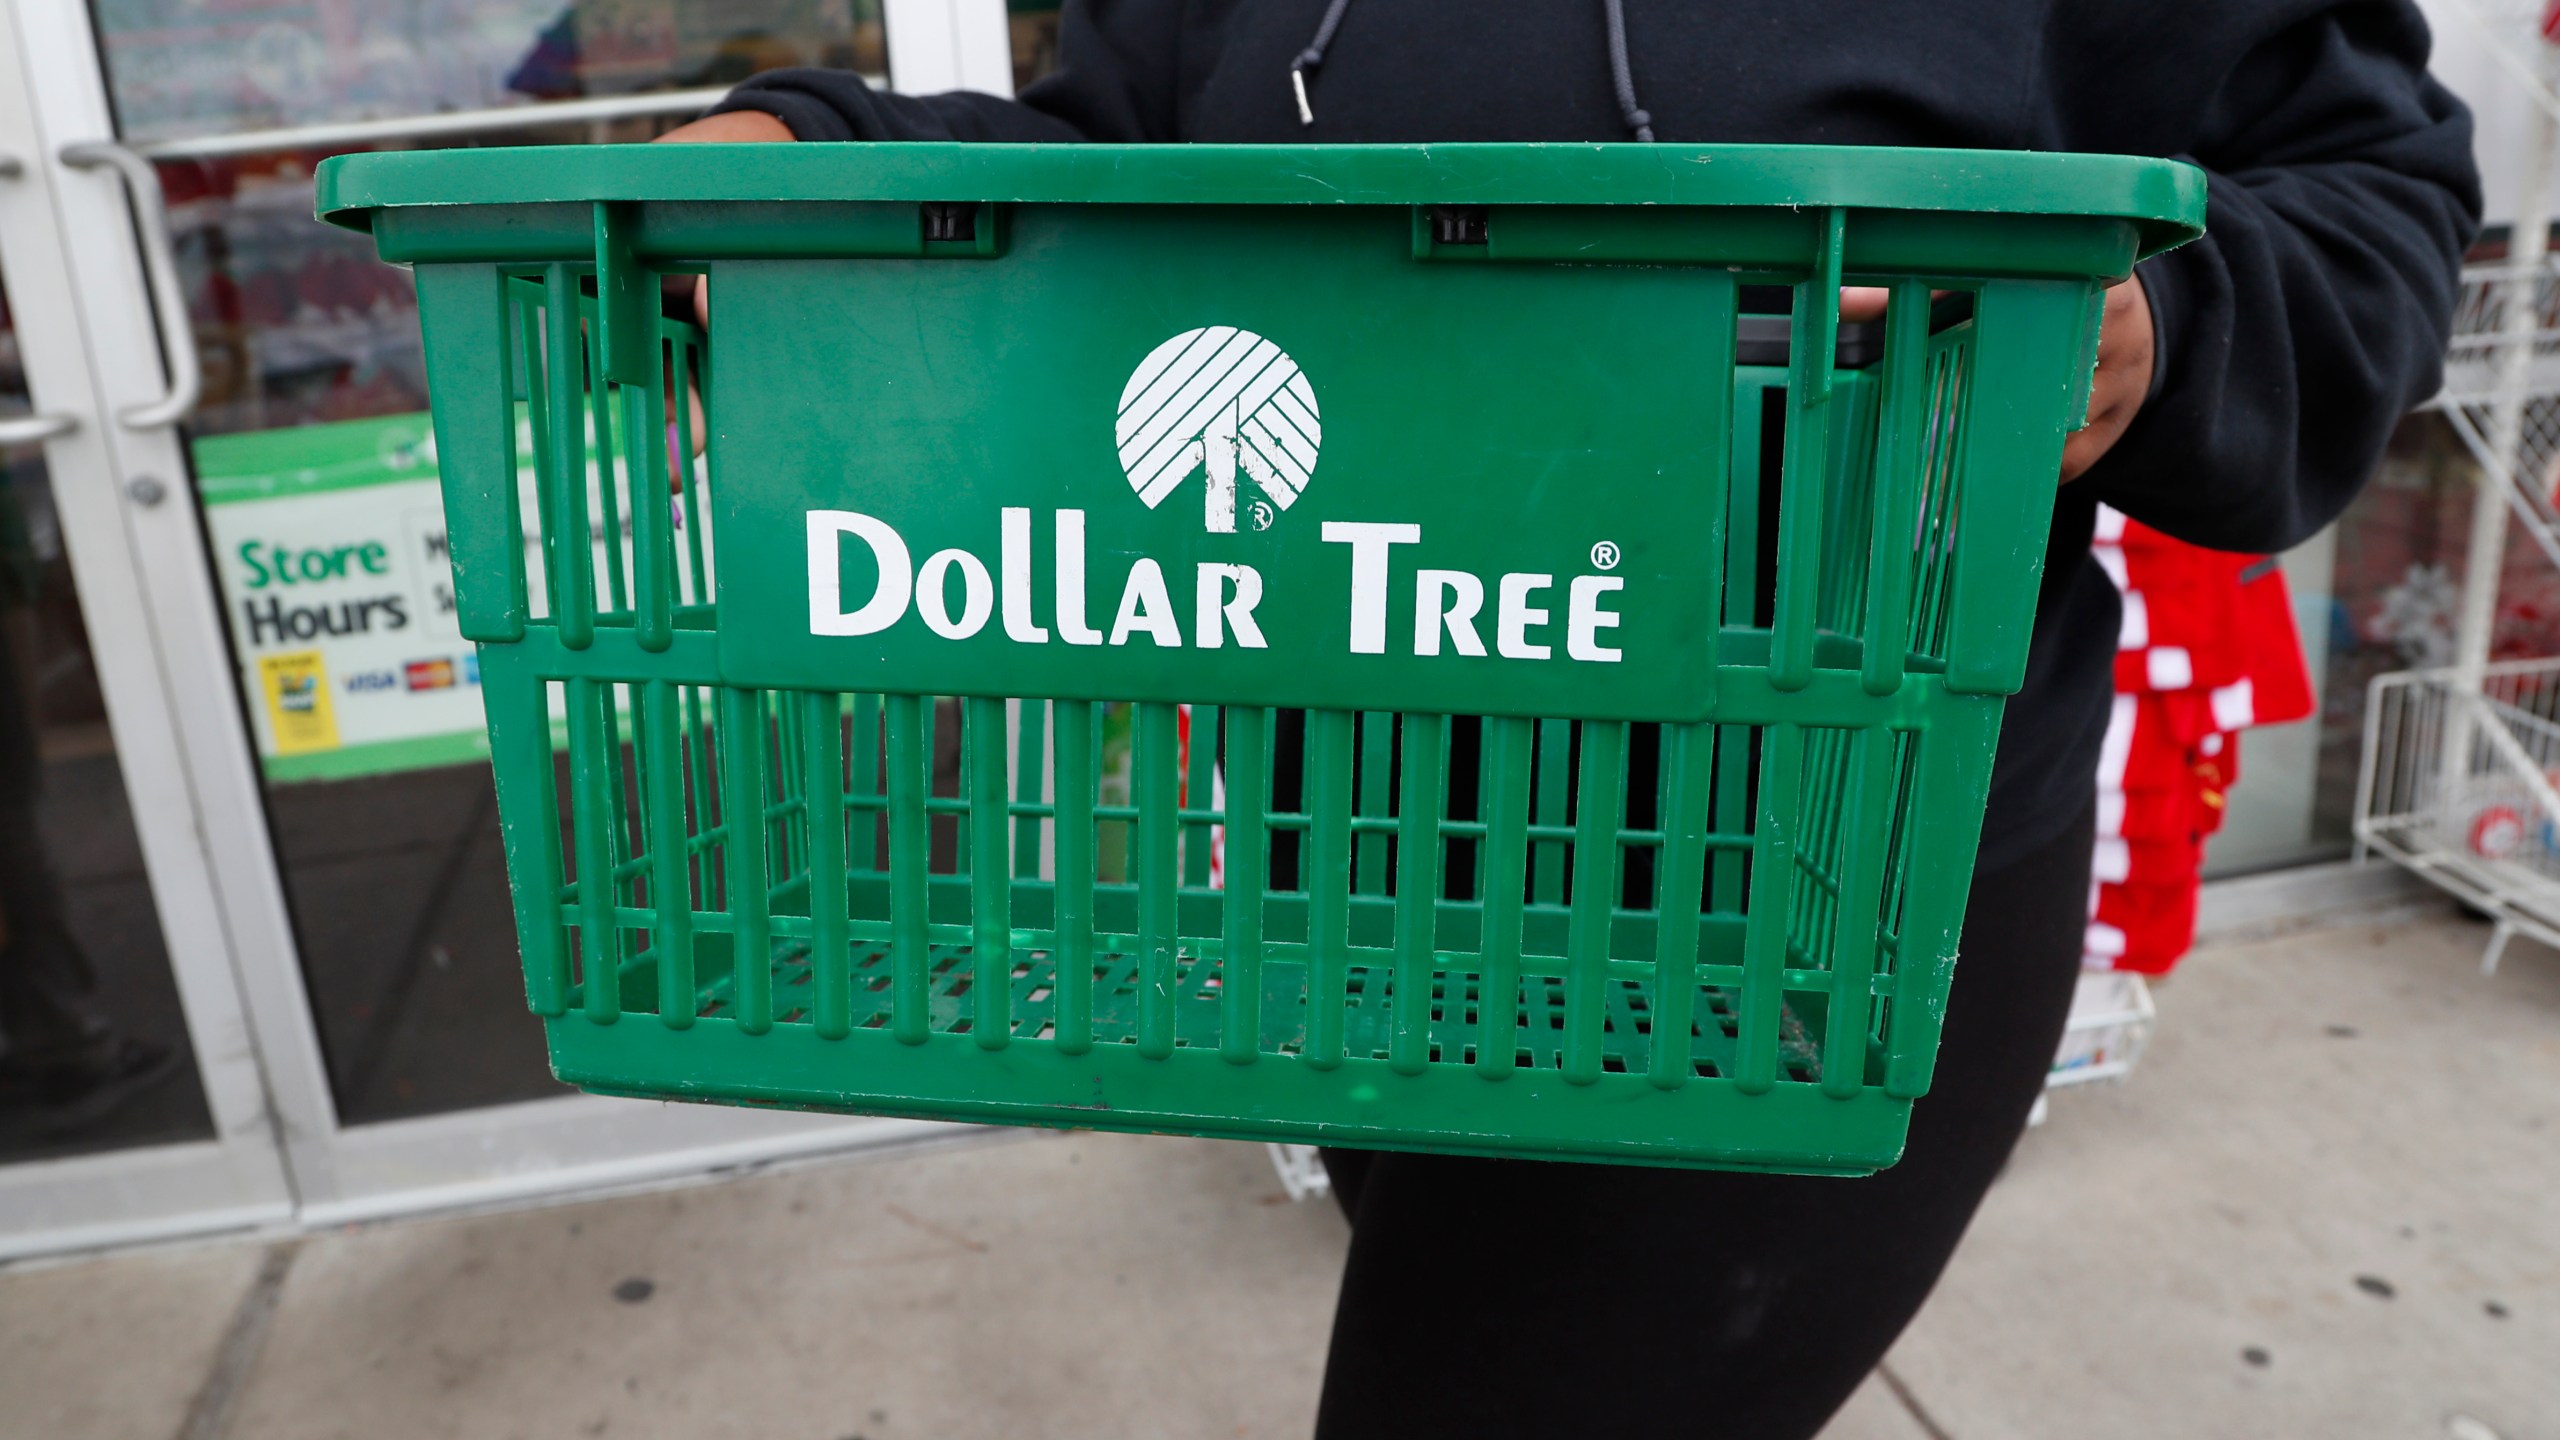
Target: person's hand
[
  {"x": 730, "y": 127},
  {"x": 2123, "y": 381}
]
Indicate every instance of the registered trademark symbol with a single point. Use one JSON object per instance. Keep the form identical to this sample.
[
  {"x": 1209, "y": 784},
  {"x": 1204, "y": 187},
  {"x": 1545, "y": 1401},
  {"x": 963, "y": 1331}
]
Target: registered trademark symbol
[{"x": 1605, "y": 554}]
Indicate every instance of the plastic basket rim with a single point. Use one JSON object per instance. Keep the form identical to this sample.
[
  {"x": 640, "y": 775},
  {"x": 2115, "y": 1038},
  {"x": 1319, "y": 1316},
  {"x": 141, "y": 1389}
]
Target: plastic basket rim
[{"x": 2164, "y": 199}]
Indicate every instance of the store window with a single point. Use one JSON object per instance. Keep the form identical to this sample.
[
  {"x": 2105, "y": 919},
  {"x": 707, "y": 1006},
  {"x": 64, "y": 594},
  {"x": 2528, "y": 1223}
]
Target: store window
[
  {"x": 93, "y": 1047},
  {"x": 313, "y": 448},
  {"x": 2395, "y": 590},
  {"x": 181, "y": 69},
  {"x": 2379, "y": 592},
  {"x": 312, "y": 438},
  {"x": 2375, "y": 593}
]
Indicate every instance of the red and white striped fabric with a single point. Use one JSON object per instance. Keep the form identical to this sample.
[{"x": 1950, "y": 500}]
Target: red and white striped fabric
[
  {"x": 1217, "y": 794},
  {"x": 2208, "y": 648}
]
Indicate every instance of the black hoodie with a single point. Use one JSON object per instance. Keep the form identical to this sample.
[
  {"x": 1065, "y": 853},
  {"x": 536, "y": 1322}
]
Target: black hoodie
[{"x": 2292, "y": 337}]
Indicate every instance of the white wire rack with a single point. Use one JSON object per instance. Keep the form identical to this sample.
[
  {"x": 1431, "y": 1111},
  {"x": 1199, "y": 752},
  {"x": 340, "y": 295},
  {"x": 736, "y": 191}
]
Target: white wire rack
[
  {"x": 2457, "y": 786},
  {"x": 1301, "y": 1171},
  {"x": 2514, "y": 30},
  {"x": 2485, "y": 331},
  {"x": 2111, "y": 1021}
]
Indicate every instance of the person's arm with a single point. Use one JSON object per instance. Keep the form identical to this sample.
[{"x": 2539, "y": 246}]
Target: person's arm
[
  {"x": 2315, "y": 312},
  {"x": 1116, "y": 80}
]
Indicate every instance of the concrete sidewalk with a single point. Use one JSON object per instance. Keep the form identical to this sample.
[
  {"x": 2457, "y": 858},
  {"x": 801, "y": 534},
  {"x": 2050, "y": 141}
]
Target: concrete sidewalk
[{"x": 2329, "y": 1205}]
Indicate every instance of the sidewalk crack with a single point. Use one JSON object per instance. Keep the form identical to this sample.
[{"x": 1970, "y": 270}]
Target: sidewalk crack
[
  {"x": 209, "y": 1414},
  {"x": 1911, "y": 1405}
]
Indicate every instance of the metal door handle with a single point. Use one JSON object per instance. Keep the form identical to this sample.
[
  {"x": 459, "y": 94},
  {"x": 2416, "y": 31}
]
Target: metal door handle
[
  {"x": 29, "y": 429},
  {"x": 160, "y": 268}
]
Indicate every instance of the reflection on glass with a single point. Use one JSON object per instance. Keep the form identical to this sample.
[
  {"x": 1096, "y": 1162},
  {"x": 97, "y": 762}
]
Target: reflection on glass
[
  {"x": 329, "y": 556},
  {"x": 202, "y": 67},
  {"x": 295, "y": 321},
  {"x": 2396, "y": 593},
  {"x": 315, "y": 467},
  {"x": 93, "y": 1048}
]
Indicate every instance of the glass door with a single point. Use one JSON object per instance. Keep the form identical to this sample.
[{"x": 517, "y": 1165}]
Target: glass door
[
  {"x": 288, "y": 529},
  {"x": 128, "y": 1105}
]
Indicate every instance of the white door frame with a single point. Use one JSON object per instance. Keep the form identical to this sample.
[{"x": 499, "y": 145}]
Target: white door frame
[
  {"x": 236, "y": 1178},
  {"x": 949, "y": 45},
  {"x": 196, "y": 781}
]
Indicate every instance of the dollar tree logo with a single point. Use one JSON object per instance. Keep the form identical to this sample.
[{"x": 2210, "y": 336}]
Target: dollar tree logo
[{"x": 1211, "y": 402}]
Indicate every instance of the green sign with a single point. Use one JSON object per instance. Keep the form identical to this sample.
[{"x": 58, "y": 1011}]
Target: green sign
[
  {"x": 337, "y": 584},
  {"x": 329, "y": 548},
  {"x": 1319, "y": 490}
]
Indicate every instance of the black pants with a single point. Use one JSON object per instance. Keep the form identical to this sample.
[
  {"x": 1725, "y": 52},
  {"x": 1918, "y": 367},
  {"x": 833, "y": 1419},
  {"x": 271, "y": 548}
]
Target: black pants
[{"x": 1488, "y": 1298}]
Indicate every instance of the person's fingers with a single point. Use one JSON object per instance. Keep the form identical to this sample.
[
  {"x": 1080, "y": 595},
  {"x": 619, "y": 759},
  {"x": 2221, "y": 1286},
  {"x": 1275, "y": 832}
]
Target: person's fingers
[
  {"x": 729, "y": 128},
  {"x": 2116, "y": 392},
  {"x": 1868, "y": 302},
  {"x": 1863, "y": 302},
  {"x": 2122, "y": 383},
  {"x": 680, "y": 434}
]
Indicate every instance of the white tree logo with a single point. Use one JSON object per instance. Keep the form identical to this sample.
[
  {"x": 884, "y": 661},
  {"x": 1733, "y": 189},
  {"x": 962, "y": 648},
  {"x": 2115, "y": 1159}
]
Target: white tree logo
[{"x": 1217, "y": 399}]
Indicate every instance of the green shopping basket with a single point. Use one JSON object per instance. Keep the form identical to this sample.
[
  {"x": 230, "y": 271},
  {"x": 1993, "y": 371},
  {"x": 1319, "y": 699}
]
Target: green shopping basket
[{"x": 1446, "y": 648}]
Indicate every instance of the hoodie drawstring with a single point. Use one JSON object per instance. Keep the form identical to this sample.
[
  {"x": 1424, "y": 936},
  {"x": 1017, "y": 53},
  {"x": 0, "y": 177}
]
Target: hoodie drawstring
[
  {"x": 1639, "y": 123},
  {"x": 1312, "y": 58}
]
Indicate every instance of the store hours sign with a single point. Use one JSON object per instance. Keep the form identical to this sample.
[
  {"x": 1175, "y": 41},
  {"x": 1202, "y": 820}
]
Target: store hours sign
[{"x": 329, "y": 546}]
